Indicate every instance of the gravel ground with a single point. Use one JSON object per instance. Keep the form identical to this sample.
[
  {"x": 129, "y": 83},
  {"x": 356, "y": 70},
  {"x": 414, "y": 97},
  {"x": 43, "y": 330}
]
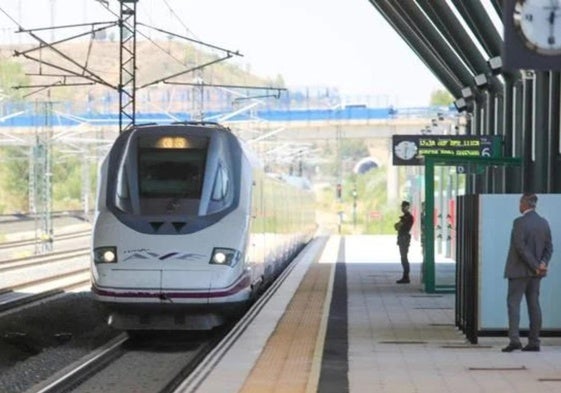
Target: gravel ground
[{"x": 42, "y": 339}]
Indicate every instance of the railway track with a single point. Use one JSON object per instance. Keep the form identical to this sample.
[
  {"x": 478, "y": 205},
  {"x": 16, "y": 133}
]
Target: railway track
[
  {"x": 32, "y": 242},
  {"x": 158, "y": 363},
  {"x": 86, "y": 367},
  {"x": 153, "y": 363},
  {"x": 35, "y": 260},
  {"x": 13, "y": 297},
  {"x": 30, "y": 279}
]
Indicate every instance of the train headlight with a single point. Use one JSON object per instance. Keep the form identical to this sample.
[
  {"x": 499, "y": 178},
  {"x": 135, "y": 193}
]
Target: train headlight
[
  {"x": 105, "y": 255},
  {"x": 224, "y": 256}
]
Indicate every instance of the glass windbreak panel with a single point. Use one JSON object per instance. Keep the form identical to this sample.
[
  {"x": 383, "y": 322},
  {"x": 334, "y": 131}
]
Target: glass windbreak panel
[{"x": 171, "y": 172}]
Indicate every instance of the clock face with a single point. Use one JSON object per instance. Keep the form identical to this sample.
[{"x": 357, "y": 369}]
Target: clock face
[
  {"x": 539, "y": 24},
  {"x": 405, "y": 150}
]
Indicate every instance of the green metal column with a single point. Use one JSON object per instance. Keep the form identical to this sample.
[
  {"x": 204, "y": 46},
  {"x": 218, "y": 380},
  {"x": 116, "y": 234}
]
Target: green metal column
[{"x": 428, "y": 258}]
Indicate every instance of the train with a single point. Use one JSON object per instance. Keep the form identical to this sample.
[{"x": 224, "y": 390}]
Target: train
[{"x": 189, "y": 228}]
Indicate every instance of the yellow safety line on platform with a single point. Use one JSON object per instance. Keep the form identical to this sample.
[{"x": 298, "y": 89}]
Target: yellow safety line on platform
[
  {"x": 313, "y": 379},
  {"x": 291, "y": 359}
]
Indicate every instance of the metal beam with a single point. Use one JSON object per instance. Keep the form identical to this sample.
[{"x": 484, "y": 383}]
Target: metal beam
[
  {"x": 554, "y": 168},
  {"x": 448, "y": 25},
  {"x": 498, "y": 6},
  {"x": 540, "y": 131},
  {"x": 425, "y": 53},
  {"x": 428, "y": 32},
  {"x": 477, "y": 18}
]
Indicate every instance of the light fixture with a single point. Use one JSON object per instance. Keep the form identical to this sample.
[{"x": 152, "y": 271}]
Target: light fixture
[
  {"x": 495, "y": 64},
  {"x": 105, "y": 254},
  {"x": 528, "y": 74},
  {"x": 481, "y": 81},
  {"x": 467, "y": 93},
  {"x": 460, "y": 104},
  {"x": 224, "y": 256}
]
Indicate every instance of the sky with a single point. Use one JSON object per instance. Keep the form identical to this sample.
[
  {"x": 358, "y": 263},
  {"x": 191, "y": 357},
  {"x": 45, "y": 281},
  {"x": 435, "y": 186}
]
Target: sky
[
  {"x": 347, "y": 44},
  {"x": 344, "y": 44}
]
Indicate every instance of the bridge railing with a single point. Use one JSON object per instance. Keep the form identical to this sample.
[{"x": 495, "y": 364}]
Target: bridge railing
[{"x": 61, "y": 114}]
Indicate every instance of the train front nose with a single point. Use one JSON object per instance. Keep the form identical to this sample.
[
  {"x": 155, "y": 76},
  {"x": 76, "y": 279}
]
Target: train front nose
[
  {"x": 161, "y": 299},
  {"x": 152, "y": 285},
  {"x": 149, "y": 275}
]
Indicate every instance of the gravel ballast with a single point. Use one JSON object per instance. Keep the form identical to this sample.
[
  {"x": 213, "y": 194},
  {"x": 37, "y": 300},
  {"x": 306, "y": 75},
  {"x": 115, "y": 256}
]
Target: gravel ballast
[{"x": 44, "y": 338}]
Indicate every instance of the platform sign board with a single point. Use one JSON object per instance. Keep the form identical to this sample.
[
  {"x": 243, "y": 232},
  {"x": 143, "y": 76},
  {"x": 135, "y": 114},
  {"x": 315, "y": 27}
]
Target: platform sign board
[{"x": 411, "y": 149}]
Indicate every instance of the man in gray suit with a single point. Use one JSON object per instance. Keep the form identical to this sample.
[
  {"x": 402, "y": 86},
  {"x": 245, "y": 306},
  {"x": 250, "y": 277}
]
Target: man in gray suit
[{"x": 528, "y": 257}]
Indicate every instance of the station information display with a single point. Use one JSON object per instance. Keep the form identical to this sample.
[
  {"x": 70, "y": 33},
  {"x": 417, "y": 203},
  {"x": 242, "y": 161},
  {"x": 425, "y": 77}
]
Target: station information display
[{"x": 411, "y": 149}]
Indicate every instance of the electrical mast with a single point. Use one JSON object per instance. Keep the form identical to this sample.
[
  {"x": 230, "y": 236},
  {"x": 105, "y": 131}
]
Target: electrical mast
[{"x": 127, "y": 63}]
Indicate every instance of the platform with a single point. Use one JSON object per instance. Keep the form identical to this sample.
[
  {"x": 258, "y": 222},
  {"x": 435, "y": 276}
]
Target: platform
[{"x": 339, "y": 323}]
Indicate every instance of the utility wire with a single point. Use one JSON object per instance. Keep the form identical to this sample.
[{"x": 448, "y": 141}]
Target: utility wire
[
  {"x": 9, "y": 17},
  {"x": 179, "y": 19}
]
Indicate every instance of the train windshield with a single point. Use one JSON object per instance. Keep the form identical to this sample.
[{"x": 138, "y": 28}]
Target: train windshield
[
  {"x": 167, "y": 175},
  {"x": 170, "y": 172}
]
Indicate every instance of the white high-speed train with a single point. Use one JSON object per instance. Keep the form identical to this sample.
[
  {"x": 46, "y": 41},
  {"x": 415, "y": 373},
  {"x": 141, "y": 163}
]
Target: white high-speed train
[{"x": 189, "y": 227}]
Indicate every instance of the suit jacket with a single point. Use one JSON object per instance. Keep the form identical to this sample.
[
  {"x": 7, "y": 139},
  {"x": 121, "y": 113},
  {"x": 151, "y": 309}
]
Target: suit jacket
[{"x": 530, "y": 244}]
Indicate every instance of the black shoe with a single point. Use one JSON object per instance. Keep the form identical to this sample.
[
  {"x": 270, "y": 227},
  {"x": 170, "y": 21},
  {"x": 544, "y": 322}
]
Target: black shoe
[
  {"x": 531, "y": 348},
  {"x": 511, "y": 347},
  {"x": 403, "y": 281}
]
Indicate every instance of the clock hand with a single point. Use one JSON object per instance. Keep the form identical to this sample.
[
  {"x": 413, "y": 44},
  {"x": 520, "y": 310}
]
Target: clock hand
[
  {"x": 553, "y": 7},
  {"x": 551, "y": 19}
]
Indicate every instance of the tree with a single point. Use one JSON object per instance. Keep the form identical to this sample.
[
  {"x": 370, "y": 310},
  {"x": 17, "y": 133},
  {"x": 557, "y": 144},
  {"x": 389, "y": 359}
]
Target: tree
[
  {"x": 11, "y": 75},
  {"x": 14, "y": 178},
  {"x": 441, "y": 98},
  {"x": 67, "y": 182}
]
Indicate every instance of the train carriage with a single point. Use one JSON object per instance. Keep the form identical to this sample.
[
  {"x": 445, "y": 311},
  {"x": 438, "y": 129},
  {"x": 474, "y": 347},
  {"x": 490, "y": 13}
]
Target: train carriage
[{"x": 189, "y": 228}]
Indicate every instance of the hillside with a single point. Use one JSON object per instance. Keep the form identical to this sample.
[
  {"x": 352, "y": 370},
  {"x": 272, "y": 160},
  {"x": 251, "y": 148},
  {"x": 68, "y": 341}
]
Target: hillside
[{"x": 100, "y": 59}]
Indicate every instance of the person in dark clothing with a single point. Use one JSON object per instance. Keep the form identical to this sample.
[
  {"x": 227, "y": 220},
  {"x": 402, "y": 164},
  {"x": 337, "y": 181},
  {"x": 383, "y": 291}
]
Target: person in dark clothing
[{"x": 403, "y": 228}]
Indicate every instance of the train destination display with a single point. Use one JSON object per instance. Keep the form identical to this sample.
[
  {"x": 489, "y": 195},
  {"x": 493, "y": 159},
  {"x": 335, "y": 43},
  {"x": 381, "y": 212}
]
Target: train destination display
[{"x": 411, "y": 149}]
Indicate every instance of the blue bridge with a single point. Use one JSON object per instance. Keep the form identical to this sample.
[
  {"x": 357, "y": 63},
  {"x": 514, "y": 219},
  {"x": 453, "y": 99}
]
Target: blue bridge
[{"x": 39, "y": 116}]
